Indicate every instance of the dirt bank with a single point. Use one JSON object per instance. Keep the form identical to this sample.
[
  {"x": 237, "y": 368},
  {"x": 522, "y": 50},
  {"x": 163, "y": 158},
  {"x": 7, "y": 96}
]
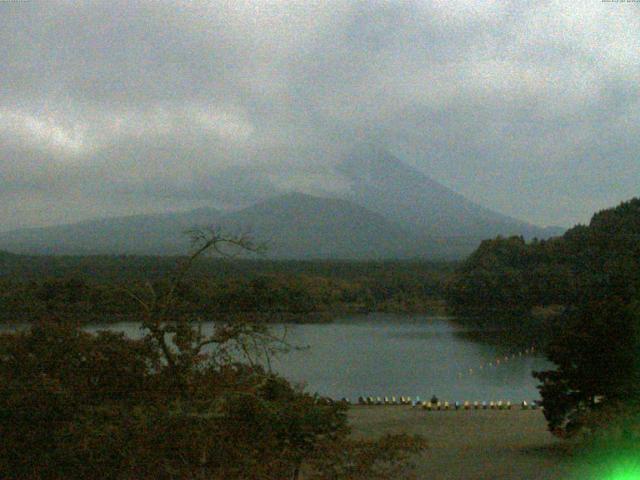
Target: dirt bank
[{"x": 475, "y": 444}]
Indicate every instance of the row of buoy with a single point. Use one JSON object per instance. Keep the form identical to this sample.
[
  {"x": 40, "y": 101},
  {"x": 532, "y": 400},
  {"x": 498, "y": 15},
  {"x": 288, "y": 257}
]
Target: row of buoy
[
  {"x": 387, "y": 401},
  {"x": 499, "y": 405},
  {"x": 497, "y": 362},
  {"x": 466, "y": 405}
]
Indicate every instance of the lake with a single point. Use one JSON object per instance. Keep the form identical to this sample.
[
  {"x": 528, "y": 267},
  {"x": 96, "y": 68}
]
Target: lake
[
  {"x": 381, "y": 354},
  {"x": 398, "y": 354}
]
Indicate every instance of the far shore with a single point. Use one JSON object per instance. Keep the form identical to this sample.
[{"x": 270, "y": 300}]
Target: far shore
[{"x": 320, "y": 316}]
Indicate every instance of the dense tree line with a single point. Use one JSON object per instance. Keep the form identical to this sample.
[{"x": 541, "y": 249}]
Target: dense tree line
[
  {"x": 592, "y": 276},
  {"x": 140, "y": 267},
  {"x": 511, "y": 276},
  {"x": 94, "y": 288},
  {"x": 508, "y": 277}
]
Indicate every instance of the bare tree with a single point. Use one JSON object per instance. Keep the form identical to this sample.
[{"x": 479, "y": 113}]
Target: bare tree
[{"x": 181, "y": 338}]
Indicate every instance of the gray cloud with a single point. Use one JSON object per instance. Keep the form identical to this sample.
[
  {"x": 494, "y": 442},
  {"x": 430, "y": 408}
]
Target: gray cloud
[{"x": 118, "y": 107}]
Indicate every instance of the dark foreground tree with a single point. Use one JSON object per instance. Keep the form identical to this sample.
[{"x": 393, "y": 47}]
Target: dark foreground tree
[
  {"x": 597, "y": 357},
  {"x": 180, "y": 403},
  {"x": 596, "y": 346}
]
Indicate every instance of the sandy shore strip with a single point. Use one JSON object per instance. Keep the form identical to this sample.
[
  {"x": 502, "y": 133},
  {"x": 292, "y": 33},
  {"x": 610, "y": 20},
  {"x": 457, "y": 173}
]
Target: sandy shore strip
[{"x": 473, "y": 444}]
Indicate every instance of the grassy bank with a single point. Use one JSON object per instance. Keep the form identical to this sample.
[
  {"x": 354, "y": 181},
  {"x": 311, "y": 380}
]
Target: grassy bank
[{"x": 473, "y": 445}]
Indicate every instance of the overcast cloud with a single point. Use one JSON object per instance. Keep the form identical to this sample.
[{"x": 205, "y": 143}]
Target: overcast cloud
[{"x": 529, "y": 108}]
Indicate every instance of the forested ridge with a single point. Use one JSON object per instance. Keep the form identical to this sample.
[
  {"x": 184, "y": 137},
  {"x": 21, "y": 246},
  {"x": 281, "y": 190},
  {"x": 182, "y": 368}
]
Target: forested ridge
[
  {"x": 508, "y": 276},
  {"x": 588, "y": 284},
  {"x": 93, "y": 288}
]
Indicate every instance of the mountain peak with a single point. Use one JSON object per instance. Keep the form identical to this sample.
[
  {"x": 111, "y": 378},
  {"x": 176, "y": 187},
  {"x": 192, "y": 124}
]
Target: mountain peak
[
  {"x": 370, "y": 159},
  {"x": 383, "y": 183}
]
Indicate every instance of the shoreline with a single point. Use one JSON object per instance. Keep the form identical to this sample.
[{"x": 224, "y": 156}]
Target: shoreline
[{"x": 314, "y": 317}]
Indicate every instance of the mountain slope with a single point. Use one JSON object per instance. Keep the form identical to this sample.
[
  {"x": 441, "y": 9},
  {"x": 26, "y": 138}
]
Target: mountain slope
[
  {"x": 296, "y": 225},
  {"x": 293, "y": 226},
  {"x": 389, "y": 210},
  {"x": 138, "y": 234},
  {"x": 385, "y": 185}
]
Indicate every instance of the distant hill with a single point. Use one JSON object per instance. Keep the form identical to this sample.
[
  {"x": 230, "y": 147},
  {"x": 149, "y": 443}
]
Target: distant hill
[
  {"x": 386, "y": 185},
  {"x": 160, "y": 234},
  {"x": 388, "y": 210},
  {"x": 303, "y": 226},
  {"x": 294, "y": 226}
]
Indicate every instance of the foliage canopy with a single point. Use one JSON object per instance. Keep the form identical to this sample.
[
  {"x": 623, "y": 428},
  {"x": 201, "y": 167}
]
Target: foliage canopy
[
  {"x": 592, "y": 273},
  {"x": 179, "y": 403}
]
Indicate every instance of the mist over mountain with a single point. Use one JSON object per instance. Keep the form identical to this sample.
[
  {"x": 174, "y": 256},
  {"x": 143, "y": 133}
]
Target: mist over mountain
[
  {"x": 386, "y": 185},
  {"x": 384, "y": 209}
]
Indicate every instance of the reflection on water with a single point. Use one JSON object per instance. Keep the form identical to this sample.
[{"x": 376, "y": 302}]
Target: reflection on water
[{"x": 385, "y": 354}]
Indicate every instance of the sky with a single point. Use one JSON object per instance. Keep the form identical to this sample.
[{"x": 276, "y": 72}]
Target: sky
[{"x": 109, "y": 108}]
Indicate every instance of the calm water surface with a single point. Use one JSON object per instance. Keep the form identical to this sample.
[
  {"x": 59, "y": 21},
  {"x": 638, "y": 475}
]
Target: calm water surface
[
  {"x": 385, "y": 354},
  {"x": 413, "y": 355}
]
